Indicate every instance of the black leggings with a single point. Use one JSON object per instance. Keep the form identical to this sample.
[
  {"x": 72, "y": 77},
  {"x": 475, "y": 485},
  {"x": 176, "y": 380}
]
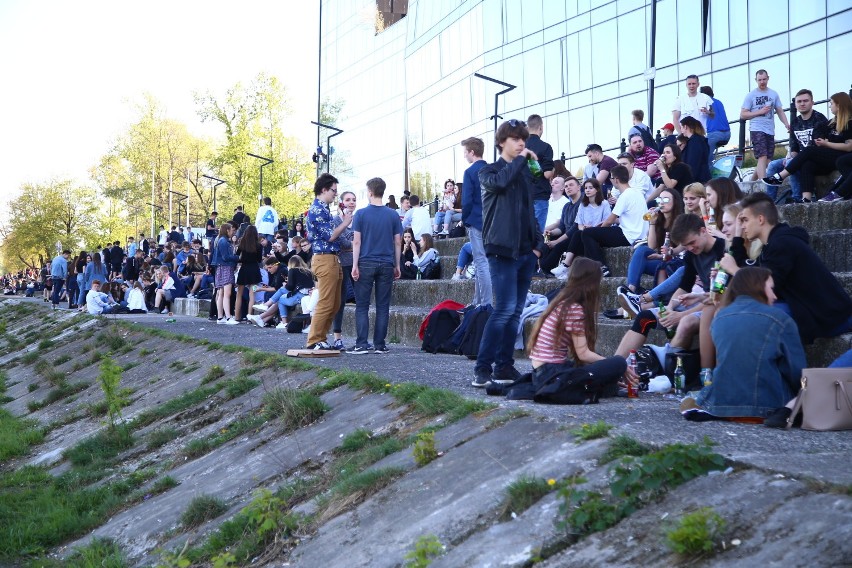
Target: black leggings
[
  {"x": 811, "y": 162},
  {"x": 844, "y": 165},
  {"x": 551, "y": 260},
  {"x": 594, "y": 238}
]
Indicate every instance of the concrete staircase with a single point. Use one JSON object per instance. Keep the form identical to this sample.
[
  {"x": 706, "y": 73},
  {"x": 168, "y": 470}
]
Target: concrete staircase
[{"x": 829, "y": 225}]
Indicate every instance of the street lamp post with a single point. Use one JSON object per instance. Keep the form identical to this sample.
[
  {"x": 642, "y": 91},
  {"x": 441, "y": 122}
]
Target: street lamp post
[
  {"x": 508, "y": 88},
  {"x": 266, "y": 163},
  {"x": 327, "y": 143},
  {"x": 215, "y": 185}
]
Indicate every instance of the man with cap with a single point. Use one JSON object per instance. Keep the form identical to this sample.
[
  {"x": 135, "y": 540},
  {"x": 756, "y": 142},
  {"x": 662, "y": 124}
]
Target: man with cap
[{"x": 669, "y": 137}]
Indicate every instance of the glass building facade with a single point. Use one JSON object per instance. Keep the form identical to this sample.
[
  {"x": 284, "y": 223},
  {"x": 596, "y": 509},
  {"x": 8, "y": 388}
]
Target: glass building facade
[{"x": 410, "y": 93}]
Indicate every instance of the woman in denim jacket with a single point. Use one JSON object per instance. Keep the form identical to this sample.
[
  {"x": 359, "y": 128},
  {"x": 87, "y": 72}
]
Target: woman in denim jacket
[{"x": 758, "y": 352}]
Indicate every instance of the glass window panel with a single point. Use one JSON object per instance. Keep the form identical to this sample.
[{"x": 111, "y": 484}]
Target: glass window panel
[
  {"x": 719, "y": 24},
  {"x": 564, "y": 144},
  {"x": 492, "y": 23},
  {"x": 738, "y": 22},
  {"x": 585, "y": 53},
  {"x": 553, "y": 12},
  {"x": 571, "y": 8},
  {"x": 583, "y": 6},
  {"x": 581, "y": 135},
  {"x": 664, "y": 98},
  {"x": 632, "y": 44},
  {"x": 804, "y": 12},
  {"x": 553, "y": 70},
  {"x": 766, "y": 17},
  {"x": 839, "y": 55},
  {"x": 606, "y": 130},
  {"x": 625, "y": 6},
  {"x": 603, "y": 13},
  {"x": 533, "y": 20},
  {"x": 807, "y": 35},
  {"x": 415, "y": 130},
  {"x": 839, "y": 24},
  {"x": 572, "y": 62},
  {"x": 605, "y": 38},
  {"x": 808, "y": 70},
  {"x": 513, "y": 20},
  {"x": 689, "y": 29},
  {"x": 513, "y": 73},
  {"x": 625, "y": 117},
  {"x": 758, "y": 50},
  {"x": 666, "y": 33},
  {"x": 835, "y": 6}
]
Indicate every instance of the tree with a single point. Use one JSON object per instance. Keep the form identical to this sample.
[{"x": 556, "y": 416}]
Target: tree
[{"x": 47, "y": 214}]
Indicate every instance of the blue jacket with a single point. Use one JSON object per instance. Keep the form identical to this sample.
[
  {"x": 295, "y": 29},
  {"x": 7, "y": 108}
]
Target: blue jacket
[
  {"x": 472, "y": 196},
  {"x": 759, "y": 360},
  {"x": 223, "y": 254},
  {"x": 92, "y": 274},
  {"x": 59, "y": 267}
]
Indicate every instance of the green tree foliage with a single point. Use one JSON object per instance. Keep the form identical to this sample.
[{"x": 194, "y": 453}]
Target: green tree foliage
[
  {"x": 44, "y": 214},
  {"x": 251, "y": 119}
]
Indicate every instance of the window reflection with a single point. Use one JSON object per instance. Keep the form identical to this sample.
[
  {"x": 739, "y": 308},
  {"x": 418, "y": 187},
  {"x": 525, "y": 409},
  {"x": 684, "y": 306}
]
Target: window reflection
[
  {"x": 666, "y": 33},
  {"x": 688, "y": 29},
  {"x": 808, "y": 70},
  {"x": 738, "y": 22},
  {"x": 839, "y": 56},
  {"x": 719, "y": 24},
  {"x": 632, "y": 44}
]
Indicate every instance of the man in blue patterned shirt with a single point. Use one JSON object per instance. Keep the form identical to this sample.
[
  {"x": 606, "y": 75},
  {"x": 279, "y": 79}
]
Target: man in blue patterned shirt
[{"x": 325, "y": 263}]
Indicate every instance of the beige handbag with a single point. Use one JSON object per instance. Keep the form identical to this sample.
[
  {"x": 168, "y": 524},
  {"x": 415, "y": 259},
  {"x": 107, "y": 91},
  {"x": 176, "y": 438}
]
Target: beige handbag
[{"x": 824, "y": 400}]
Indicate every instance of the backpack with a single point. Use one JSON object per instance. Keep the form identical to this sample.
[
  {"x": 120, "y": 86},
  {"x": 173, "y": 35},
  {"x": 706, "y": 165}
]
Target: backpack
[
  {"x": 571, "y": 386},
  {"x": 458, "y": 231},
  {"x": 298, "y": 323},
  {"x": 432, "y": 270},
  {"x": 472, "y": 337},
  {"x": 440, "y": 328},
  {"x": 647, "y": 137},
  {"x": 180, "y": 287},
  {"x": 691, "y": 368}
]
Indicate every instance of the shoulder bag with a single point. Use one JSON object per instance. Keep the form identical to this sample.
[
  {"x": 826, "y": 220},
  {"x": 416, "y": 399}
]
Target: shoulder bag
[{"x": 824, "y": 400}]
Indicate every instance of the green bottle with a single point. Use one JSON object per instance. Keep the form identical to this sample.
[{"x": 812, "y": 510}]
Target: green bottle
[
  {"x": 678, "y": 378},
  {"x": 670, "y": 333},
  {"x": 535, "y": 168}
]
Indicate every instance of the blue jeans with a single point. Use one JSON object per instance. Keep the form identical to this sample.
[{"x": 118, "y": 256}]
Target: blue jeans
[
  {"x": 774, "y": 167},
  {"x": 446, "y": 218},
  {"x": 57, "y": 289},
  {"x": 540, "y": 207},
  {"x": 640, "y": 264},
  {"x": 378, "y": 276},
  {"x": 82, "y": 294},
  {"x": 714, "y": 139},
  {"x": 669, "y": 285},
  {"x": 510, "y": 279},
  {"x": 465, "y": 256},
  {"x": 482, "y": 287}
]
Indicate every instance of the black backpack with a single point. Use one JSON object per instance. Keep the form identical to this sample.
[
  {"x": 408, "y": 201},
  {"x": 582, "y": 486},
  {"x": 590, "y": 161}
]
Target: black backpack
[
  {"x": 571, "y": 386},
  {"x": 469, "y": 344},
  {"x": 432, "y": 270},
  {"x": 298, "y": 323},
  {"x": 647, "y": 137},
  {"x": 442, "y": 324}
]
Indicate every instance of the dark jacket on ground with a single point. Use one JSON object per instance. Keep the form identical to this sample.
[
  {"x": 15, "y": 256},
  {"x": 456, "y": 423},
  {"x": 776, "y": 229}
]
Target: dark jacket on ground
[
  {"x": 818, "y": 302},
  {"x": 508, "y": 216}
]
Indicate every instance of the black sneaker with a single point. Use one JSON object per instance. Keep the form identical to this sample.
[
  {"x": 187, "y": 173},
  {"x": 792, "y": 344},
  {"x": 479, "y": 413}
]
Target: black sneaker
[
  {"x": 604, "y": 270},
  {"x": 506, "y": 375},
  {"x": 360, "y": 350},
  {"x": 338, "y": 344},
  {"x": 773, "y": 180},
  {"x": 778, "y": 418},
  {"x": 481, "y": 378},
  {"x": 382, "y": 350},
  {"x": 318, "y": 346},
  {"x": 630, "y": 302}
]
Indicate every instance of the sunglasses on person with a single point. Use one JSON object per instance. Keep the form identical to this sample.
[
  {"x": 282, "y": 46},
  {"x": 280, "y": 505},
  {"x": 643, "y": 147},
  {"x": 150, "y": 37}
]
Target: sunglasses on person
[
  {"x": 514, "y": 123},
  {"x": 662, "y": 200}
]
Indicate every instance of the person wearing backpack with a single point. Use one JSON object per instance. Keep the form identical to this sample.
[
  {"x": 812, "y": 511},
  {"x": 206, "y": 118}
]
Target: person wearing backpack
[{"x": 564, "y": 335}]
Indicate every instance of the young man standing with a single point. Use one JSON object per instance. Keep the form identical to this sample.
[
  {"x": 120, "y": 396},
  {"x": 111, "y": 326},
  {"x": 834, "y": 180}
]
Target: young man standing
[
  {"x": 375, "y": 265},
  {"x": 266, "y": 220},
  {"x": 806, "y": 289},
  {"x": 541, "y": 185},
  {"x": 325, "y": 262},
  {"x": 472, "y": 218},
  {"x": 627, "y": 212},
  {"x": 58, "y": 273},
  {"x": 513, "y": 244},
  {"x": 695, "y": 104},
  {"x": 757, "y": 108}
]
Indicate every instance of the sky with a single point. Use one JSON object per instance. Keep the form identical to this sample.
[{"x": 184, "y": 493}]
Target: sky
[{"x": 72, "y": 72}]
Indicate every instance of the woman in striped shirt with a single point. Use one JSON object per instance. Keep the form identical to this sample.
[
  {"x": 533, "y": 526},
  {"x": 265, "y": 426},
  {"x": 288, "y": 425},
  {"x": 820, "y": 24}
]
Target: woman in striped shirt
[{"x": 564, "y": 336}]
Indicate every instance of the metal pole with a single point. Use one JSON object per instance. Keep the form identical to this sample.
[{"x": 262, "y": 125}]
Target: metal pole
[
  {"x": 266, "y": 163},
  {"x": 508, "y": 88},
  {"x": 327, "y": 141},
  {"x": 652, "y": 62},
  {"x": 171, "y": 219},
  {"x": 152, "y": 199}
]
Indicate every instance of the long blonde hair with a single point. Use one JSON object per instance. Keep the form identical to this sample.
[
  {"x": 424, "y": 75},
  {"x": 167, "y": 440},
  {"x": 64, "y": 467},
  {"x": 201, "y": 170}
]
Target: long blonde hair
[{"x": 843, "y": 114}]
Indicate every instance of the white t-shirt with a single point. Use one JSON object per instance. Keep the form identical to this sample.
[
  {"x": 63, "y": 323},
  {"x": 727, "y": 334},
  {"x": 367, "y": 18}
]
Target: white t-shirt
[
  {"x": 164, "y": 234},
  {"x": 641, "y": 180},
  {"x": 266, "y": 220},
  {"x": 629, "y": 209},
  {"x": 420, "y": 221},
  {"x": 689, "y": 106},
  {"x": 554, "y": 210}
]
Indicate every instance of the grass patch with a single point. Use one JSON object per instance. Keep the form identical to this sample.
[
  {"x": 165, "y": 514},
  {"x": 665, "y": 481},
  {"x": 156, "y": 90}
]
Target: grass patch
[
  {"x": 32, "y": 387},
  {"x": 160, "y": 437},
  {"x": 144, "y": 352},
  {"x": 43, "y": 367},
  {"x": 101, "y": 448},
  {"x": 295, "y": 408},
  {"x": 198, "y": 447},
  {"x": 426, "y": 549},
  {"x": 201, "y": 446},
  {"x": 522, "y": 494},
  {"x": 354, "y": 489},
  {"x": 129, "y": 365},
  {"x": 202, "y": 509},
  {"x": 697, "y": 533},
  {"x": 164, "y": 484},
  {"x": 61, "y": 359},
  {"x": 99, "y": 552},
  {"x": 46, "y": 344},
  {"x": 17, "y": 435},
  {"x": 174, "y": 406},
  {"x": 239, "y": 386},
  {"x": 357, "y": 440},
  {"x": 30, "y": 358},
  {"x": 621, "y": 446},
  {"x": 63, "y": 390},
  {"x": 585, "y": 432},
  {"x": 213, "y": 373}
]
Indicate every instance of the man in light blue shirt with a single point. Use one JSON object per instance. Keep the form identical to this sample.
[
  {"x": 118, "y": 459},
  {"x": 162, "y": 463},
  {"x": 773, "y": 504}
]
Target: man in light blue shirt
[{"x": 58, "y": 273}]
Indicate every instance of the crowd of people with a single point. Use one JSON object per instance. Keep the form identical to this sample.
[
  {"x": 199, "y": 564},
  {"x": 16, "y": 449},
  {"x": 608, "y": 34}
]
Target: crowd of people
[{"x": 526, "y": 216}]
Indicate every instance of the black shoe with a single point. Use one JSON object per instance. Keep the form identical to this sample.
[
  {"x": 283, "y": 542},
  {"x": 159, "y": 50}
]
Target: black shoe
[
  {"x": 360, "y": 350},
  {"x": 481, "y": 378},
  {"x": 773, "y": 180},
  {"x": 778, "y": 418},
  {"x": 506, "y": 375},
  {"x": 604, "y": 270},
  {"x": 319, "y": 346},
  {"x": 613, "y": 314}
]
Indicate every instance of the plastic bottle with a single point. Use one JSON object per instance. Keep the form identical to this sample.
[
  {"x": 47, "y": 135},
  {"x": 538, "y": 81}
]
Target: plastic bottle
[
  {"x": 535, "y": 168},
  {"x": 632, "y": 387},
  {"x": 667, "y": 246},
  {"x": 706, "y": 376},
  {"x": 678, "y": 378},
  {"x": 711, "y": 219},
  {"x": 171, "y": 320}
]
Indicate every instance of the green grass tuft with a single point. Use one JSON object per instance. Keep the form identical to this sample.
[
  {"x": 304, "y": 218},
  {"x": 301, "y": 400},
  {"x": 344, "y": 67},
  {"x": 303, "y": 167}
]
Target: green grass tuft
[
  {"x": 295, "y": 408},
  {"x": 202, "y": 509},
  {"x": 522, "y": 494},
  {"x": 160, "y": 437},
  {"x": 599, "y": 429},
  {"x": 17, "y": 435}
]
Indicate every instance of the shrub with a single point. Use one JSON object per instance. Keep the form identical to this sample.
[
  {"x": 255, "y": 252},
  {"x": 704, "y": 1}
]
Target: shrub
[
  {"x": 599, "y": 429},
  {"x": 424, "y": 448},
  {"x": 213, "y": 373},
  {"x": 696, "y": 533},
  {"x": 109, "y": 378},
  {"x": 426, "y": 549}
]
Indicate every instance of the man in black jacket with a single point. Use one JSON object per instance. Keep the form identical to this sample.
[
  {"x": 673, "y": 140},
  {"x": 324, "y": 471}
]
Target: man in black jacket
[
  {"x": 806, "y": 289},
  {"x": 513, "y": 244},
  {"x": 541, "y": 185}
]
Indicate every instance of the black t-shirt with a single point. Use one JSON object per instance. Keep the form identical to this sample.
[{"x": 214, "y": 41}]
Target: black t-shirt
[
  {"x": 544, "y": 152},
  {"x": 682, "y": 173},
  {"x": 699, "y": 265},
  {"x": 829, "y": 131},
  {"x": 239, "y": 219}
]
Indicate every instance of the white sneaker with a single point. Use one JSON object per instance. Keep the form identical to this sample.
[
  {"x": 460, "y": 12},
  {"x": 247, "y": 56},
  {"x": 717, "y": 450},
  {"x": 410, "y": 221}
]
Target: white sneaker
[
  {"x": 221, "y": 321},
  {"x": 190, "y": 296},
  {"x": 560, "y": 272},
  {"x": 306, "y": 329},
  {"x": 261, "y": 307},
  {"x": 281, "y": 325},
  {"x": 256, "y": 320},
  {"x": 231, "y": 321},
  {"x": 458, "y": 276},
  {"x": 164, "y": 311}
]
